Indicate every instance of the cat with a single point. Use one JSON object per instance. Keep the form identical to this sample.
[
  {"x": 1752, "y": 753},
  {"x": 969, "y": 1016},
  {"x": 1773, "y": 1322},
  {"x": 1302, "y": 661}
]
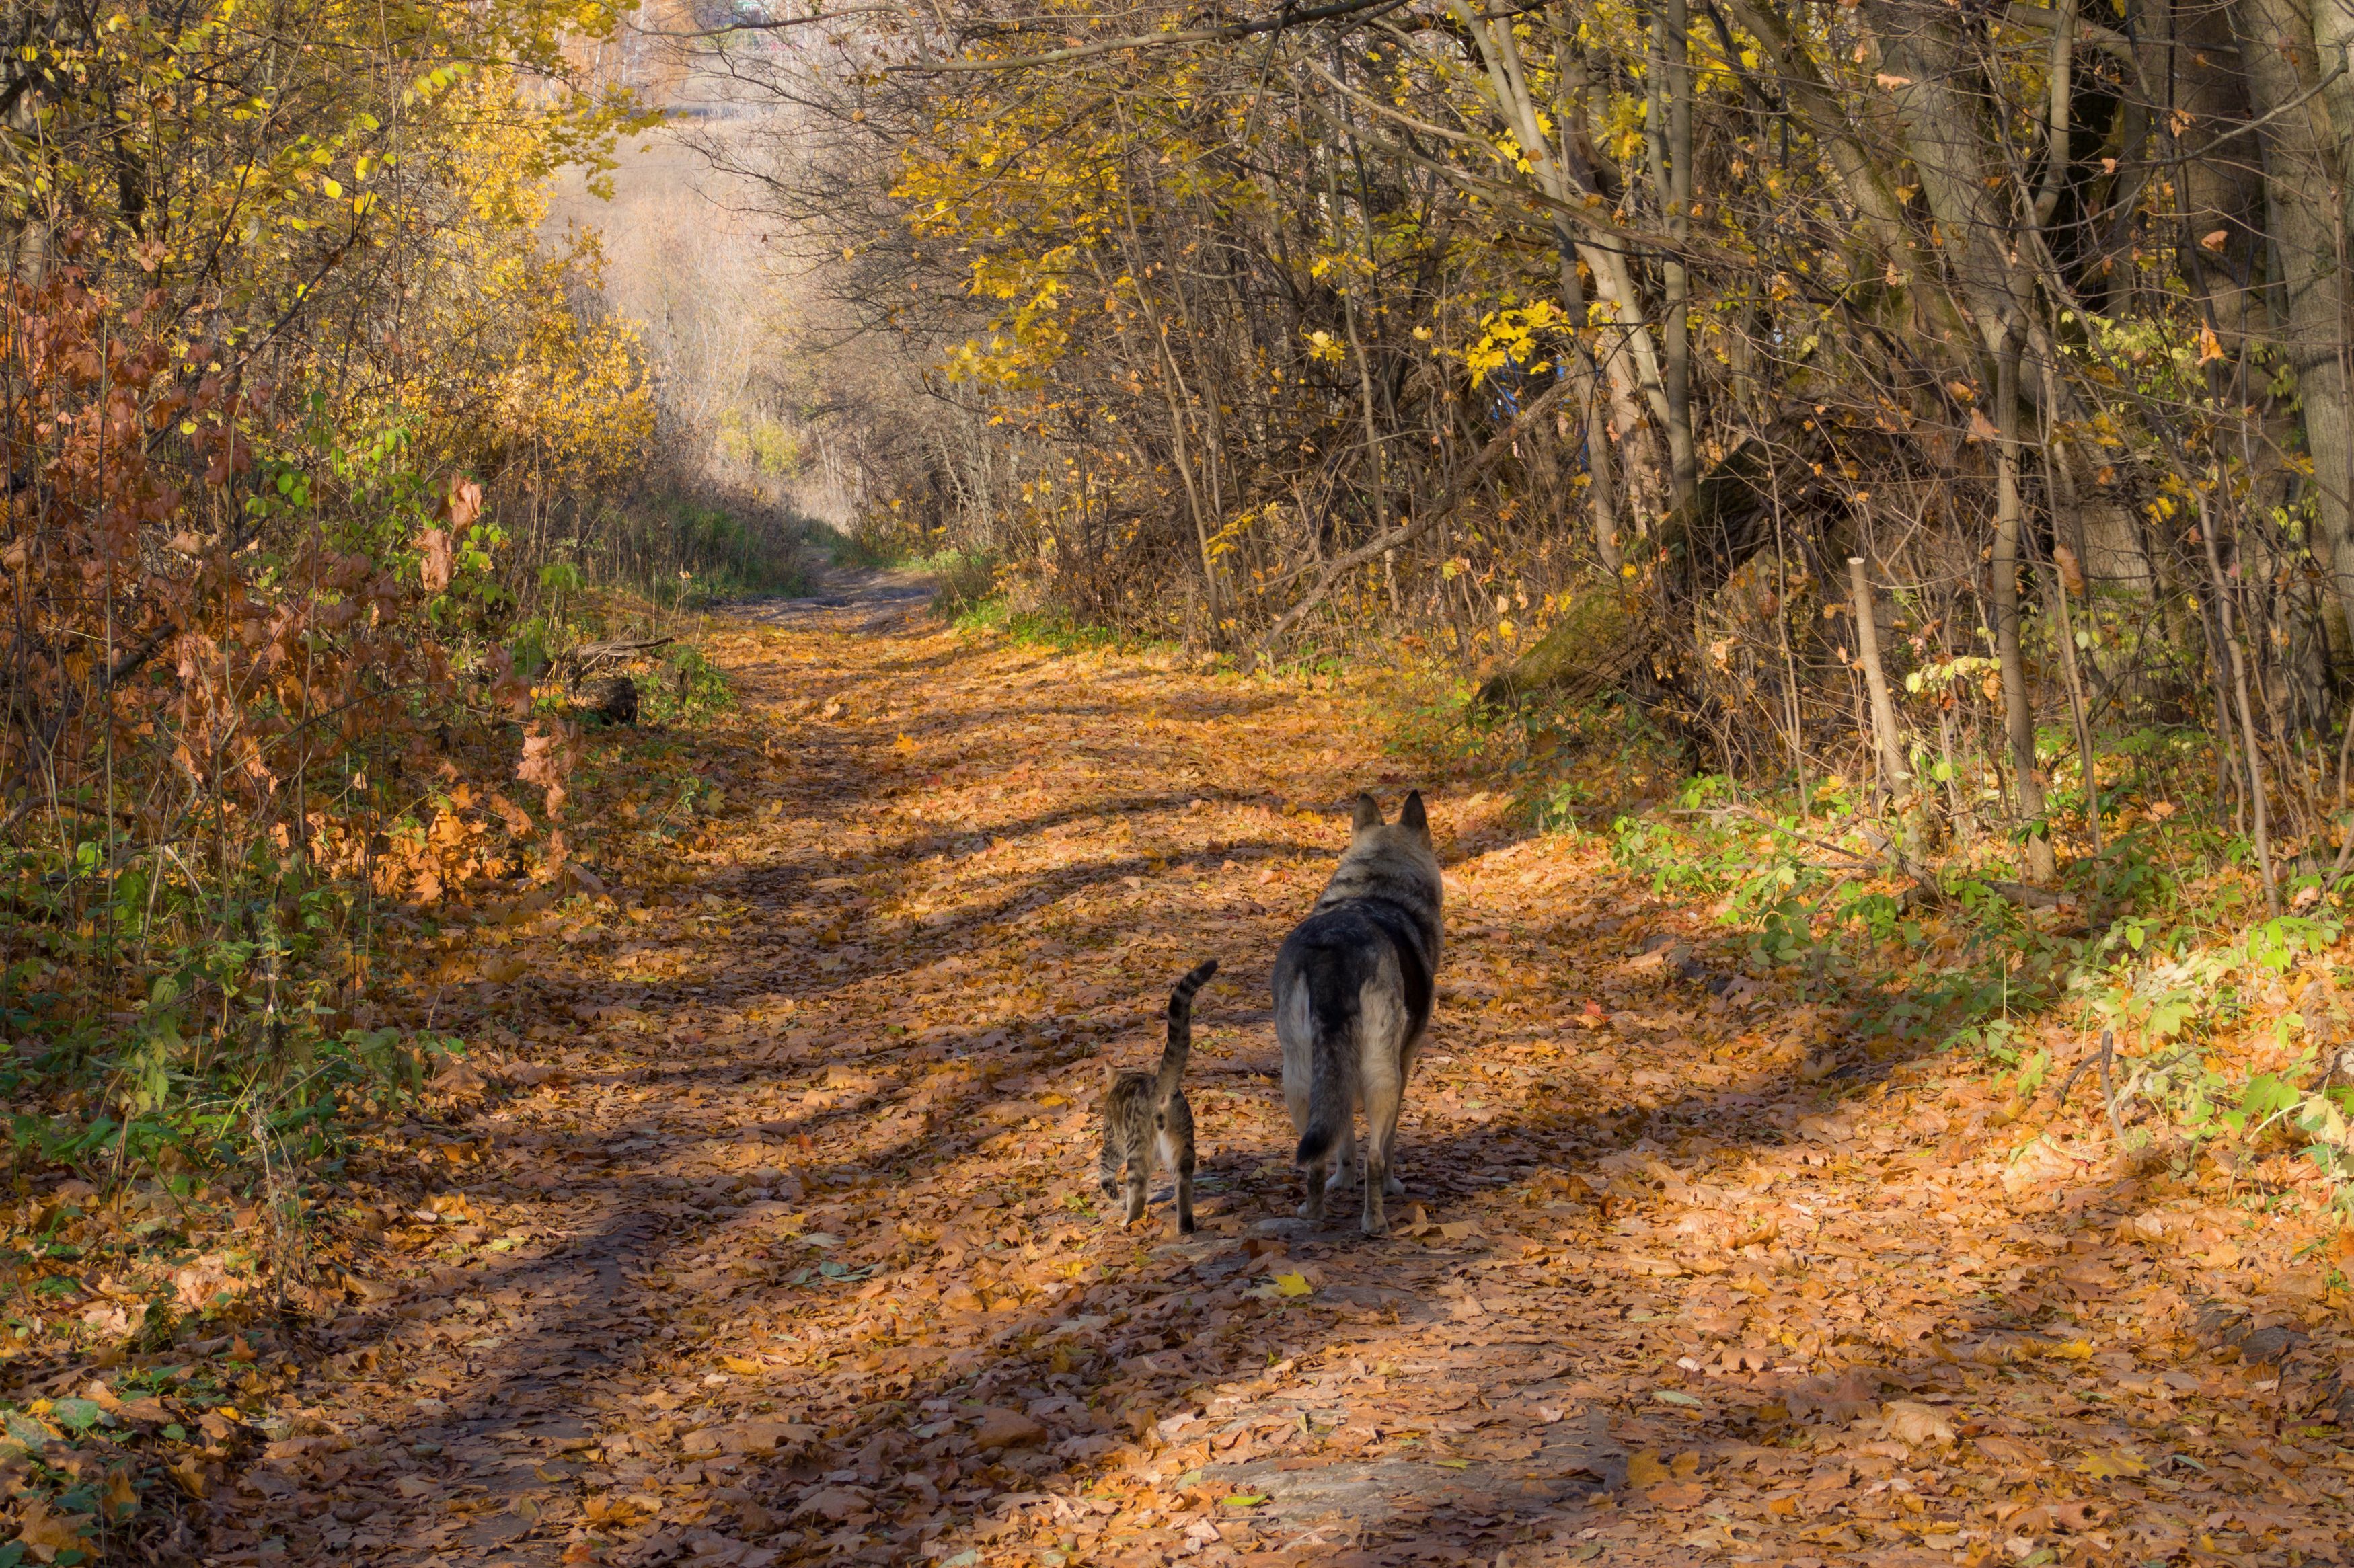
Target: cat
[
  {"x": 1353, "y": 984},
  {"x": 1146, "y": 1115}
]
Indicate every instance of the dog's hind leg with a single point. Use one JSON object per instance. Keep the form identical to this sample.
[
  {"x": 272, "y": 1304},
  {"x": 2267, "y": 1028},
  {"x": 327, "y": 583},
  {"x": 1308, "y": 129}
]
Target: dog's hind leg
[
  {"x": 1405, "y": 1076},
  {"x": 1384, "y": 1095},
  {"x": 1295, "y": 1100},
  {"x": 1344, "y": 1157}
]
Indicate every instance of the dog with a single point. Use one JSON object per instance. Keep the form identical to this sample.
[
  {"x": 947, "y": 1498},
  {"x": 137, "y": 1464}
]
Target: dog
[{"x": 1353, "y": 984}]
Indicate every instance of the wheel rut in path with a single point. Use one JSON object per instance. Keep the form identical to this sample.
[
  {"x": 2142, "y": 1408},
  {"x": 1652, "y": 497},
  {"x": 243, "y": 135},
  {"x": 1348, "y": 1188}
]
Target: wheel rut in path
[{"x": 762, "y": 1228}]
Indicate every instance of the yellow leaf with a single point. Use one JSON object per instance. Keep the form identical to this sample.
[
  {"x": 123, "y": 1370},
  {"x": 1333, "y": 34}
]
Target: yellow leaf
[
  {"x": 119, "y": 1500},
  {"x": 191, "y": 1475},
  {"x": 1291, "y": 1285},
  {"x": 2075, "y": 1350},
  {"x": 335, "y": 191},
  {"x": 904, "y": 746},
  {"x": 741, "y": 1364},
  {"x": 2110, "y": 1467},
  {"x": 1645, "y": 1470}
]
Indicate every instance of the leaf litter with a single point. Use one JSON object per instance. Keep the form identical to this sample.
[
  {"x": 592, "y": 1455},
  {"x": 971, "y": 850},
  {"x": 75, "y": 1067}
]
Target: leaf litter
[{"x": 762, "y": 1226}]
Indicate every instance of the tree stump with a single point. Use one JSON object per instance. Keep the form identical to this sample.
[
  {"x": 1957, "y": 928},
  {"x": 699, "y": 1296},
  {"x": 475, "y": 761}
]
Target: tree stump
[{"x": 613, "y": 698}]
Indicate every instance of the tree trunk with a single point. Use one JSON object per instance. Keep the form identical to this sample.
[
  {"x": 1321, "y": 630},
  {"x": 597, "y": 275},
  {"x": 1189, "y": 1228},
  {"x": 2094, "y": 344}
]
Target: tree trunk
[
  {"x": 2019, "y": 716},
  {"x": 1893, "y": 774},
  {"x": 2305, "y": 193}
]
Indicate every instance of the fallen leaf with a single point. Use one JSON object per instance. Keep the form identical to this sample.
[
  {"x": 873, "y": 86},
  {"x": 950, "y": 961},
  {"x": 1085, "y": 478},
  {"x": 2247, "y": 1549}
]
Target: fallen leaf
[
  {"x": 1677, "y": 1494},
  {"x": 1001, "y": 1428},
  {"x": 834, "y": 1503},
  {"x": 1921, "y": 1425},
  {"x": 45, "y": 1532},
  {"x": 2008, "y": 1451}
]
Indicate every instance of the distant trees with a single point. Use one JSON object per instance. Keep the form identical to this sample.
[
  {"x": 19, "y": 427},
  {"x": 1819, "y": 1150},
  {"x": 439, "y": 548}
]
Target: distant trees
[{"x": 2041, "y": 312}]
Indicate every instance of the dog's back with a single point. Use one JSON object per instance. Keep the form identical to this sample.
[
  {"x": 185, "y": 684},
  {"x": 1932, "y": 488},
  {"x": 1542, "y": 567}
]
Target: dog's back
[{"x": 1352, "y": 993}]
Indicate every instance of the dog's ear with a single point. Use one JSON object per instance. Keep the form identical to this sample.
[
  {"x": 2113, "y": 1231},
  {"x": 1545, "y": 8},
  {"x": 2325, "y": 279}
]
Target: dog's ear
[
  {"x": 1368, "y": 814},
  {"x": 1411, "y": 815}
]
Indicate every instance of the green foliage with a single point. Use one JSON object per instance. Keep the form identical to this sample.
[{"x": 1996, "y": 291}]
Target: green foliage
[
  {"x": 687, "y": 689},
  {"x": 689, "y": 551},
  {"x": 966, "y": 578},
  {"x": 2168, "y": 970},
  {"x": 1038, "y": 629}
]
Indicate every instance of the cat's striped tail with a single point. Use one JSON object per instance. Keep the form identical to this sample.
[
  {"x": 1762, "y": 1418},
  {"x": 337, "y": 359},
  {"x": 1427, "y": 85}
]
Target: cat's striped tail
[{"x": 1181, "y": 1032}]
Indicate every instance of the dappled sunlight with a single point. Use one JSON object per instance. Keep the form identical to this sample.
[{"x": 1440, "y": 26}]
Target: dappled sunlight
[{"x": 775, "y": 1235}]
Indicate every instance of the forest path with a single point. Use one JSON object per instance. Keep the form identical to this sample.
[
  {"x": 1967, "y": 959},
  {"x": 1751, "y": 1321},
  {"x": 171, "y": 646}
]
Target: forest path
[{"x": 775, "y": 1235}]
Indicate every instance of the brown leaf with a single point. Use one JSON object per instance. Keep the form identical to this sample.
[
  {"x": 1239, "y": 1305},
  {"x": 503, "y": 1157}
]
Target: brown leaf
[
  {"x": 462, "y": 500},
  {"x": 1001, "y": 1428},
  {"x": 46, "y": 1533},
  {"x": 2072, "y": 571},
  {"x": 437, "y": 562},
  {"x": 1921, "y": 1426},
  {"x": 749, "y": 1437},
  {"x": 1646, "y": 1469},
  {"x": 1839, "y": 1401},
  {"x": 834, "y": 1503},
  {"x": 2009, "y": 1451},
  {"x": 1677, "y": 1494}
]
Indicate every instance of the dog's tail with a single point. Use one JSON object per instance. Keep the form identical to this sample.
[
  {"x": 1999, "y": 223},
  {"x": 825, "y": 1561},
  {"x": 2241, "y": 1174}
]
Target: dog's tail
[
  {"x": 1333, "y": 1076},
  {"x": 1180, "y": 1033}
]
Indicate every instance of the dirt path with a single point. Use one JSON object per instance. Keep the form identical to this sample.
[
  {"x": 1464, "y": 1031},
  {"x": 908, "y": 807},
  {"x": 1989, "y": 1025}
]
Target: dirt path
[{"x": 773, "y": 1237}]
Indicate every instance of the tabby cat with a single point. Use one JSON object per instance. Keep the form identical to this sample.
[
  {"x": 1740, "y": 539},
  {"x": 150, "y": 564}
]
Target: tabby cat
[{"x": 1145, "y": 1114}]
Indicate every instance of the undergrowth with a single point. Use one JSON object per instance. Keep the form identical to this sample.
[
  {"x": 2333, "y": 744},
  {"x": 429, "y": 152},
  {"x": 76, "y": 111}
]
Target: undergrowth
[
  {"x": 2224, "y": 1021},
  {"x": 2220, "y": 1020}
]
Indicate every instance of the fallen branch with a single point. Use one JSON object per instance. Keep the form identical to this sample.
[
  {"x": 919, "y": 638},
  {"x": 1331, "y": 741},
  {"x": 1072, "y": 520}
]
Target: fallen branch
[
  {"x": 2108, "y": 1085},
  {"x": 575, "y": 665}
]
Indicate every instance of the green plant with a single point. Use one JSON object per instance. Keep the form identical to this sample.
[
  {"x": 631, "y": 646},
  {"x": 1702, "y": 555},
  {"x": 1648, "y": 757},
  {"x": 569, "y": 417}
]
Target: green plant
[{"x": 687, "y": 688}]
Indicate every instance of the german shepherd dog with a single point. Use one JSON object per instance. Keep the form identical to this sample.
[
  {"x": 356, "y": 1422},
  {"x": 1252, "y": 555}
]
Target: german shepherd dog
[{"x": 1352, "y": 994}]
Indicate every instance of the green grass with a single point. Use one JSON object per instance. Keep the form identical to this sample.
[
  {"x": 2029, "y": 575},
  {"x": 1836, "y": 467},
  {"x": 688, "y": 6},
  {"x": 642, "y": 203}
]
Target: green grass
[{"x": 1048, "y": 629}]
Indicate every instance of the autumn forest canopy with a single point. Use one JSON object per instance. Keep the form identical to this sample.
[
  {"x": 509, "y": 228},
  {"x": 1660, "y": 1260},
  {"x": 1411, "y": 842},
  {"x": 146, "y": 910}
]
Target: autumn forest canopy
[{"x": 1580, "y": 348}]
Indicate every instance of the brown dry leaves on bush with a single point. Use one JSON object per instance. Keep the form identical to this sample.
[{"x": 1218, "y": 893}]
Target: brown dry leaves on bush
[{"x": 764, "y": 1229}]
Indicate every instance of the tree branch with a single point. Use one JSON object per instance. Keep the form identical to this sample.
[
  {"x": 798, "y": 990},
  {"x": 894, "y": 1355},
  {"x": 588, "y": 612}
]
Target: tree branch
[
  {"x": 1406, "y": 532},
  {"x": 1285, "y": 18}
]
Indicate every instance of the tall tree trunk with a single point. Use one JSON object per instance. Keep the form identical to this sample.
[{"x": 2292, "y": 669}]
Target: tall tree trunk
[
  {"x": 2019, "y": 716},
  {"x": 2306, "y": 195},
  {"x": 1672, "y": 33}
]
